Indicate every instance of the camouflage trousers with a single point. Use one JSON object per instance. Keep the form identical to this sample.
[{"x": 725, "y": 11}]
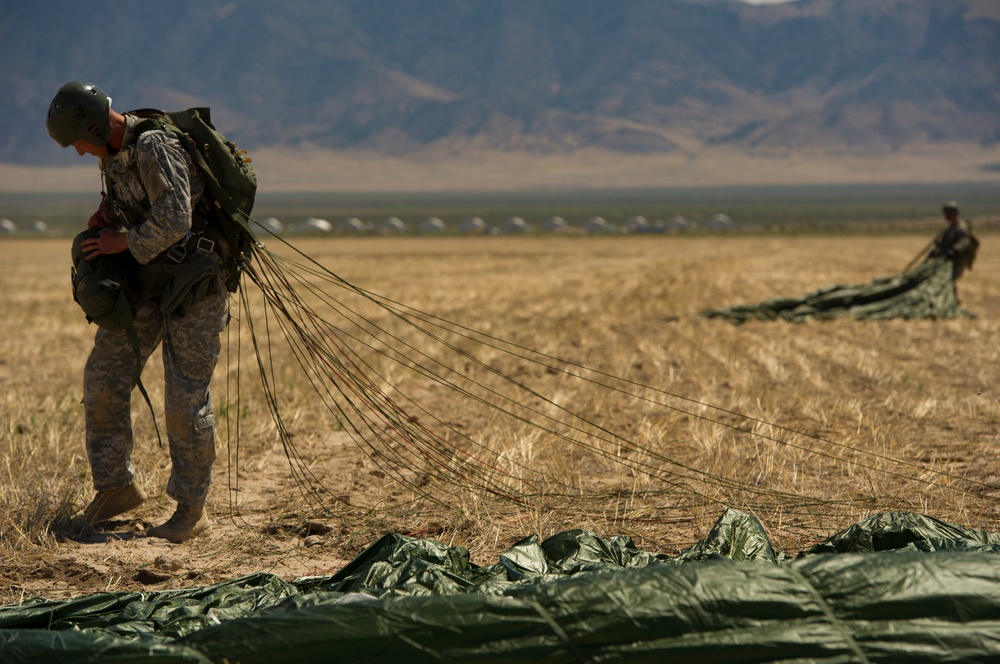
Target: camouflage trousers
[{"x": 191, "y": 346}]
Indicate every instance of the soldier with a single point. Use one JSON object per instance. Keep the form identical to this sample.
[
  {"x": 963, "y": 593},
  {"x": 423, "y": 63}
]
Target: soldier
[
  {"x": 155, "y": 189},
  {"x": 954, "y": 241}
]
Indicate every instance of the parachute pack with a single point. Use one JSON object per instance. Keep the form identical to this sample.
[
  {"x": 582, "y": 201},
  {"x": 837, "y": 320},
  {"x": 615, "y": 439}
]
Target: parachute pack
[
  {"x": 969, "y": 256},
  {"x": 104, "y": 286},
  {"x": 229, "y": 177}
]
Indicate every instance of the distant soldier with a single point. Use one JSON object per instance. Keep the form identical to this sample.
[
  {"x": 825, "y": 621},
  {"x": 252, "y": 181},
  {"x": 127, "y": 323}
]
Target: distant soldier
[
  {"x": 956, "y": 242},
  {"x": 156, "y": 190}
]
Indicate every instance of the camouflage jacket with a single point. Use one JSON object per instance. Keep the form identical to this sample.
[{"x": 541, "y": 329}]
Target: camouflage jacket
[
  {"x": 167, "y": 177},
  {"x": 954, "y": 241}
]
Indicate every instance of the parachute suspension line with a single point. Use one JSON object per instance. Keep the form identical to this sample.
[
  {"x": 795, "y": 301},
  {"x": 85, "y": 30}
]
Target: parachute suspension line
[
  {"x": 408, "y": 432},
  {"x": 424, "y": 370},
  {"x": 305, "y": 346},
  {"x": 305, "y": 480},
  {"x": 531, "y": 355},
  {"x": 602, "y": 434},
  {"x": 391, "y": 416},
  {"x": 277, "y": 292},
  {"x": 398, "y": 443},
  {"x": 740, "y": 429},
  {"x": 730, "y": 484},
  {"x": 398, "y": 310},
  {"x": 233, "y": 427}
]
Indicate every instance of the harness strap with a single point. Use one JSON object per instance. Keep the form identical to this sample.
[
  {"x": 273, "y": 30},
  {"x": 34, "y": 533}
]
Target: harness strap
[
  {"x": 202, "y": 236},
  {"x": 125, "y": 315},
  {"x": 133, "y": 215}
]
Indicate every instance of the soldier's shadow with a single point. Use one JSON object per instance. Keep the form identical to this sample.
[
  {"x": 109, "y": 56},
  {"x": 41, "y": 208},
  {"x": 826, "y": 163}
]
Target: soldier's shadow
[{"x": 78, "y": 531}]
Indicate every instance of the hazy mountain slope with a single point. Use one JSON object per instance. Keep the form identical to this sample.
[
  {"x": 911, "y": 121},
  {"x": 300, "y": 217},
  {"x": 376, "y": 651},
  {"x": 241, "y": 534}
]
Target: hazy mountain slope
[{"x": 637, "y": 76}]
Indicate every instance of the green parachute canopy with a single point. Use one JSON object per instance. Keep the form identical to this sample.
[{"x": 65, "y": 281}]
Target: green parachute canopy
[
  {"x": 897, "y": 587},
  {"x": 926, "y": 291}
]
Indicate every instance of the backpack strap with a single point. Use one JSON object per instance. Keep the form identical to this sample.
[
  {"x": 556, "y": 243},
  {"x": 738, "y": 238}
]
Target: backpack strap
[
  {"x": 124, "y": 313},
  {"x": 151, "y": 119},
  {"x": 220, "y": 223},
  {"x": 198, "y": 237}
]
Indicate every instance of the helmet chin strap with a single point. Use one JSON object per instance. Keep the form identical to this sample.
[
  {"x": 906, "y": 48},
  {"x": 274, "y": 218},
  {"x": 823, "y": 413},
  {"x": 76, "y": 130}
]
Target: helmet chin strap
[{"x": 111, "y": 149}]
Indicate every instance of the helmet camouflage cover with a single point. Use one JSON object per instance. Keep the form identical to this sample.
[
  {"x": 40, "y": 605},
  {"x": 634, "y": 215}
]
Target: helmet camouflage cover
[{"x": 79, "y": 112}]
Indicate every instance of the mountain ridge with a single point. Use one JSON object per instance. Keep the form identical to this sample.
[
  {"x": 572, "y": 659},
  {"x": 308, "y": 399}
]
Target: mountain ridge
[{"x": 408, "y": 78}]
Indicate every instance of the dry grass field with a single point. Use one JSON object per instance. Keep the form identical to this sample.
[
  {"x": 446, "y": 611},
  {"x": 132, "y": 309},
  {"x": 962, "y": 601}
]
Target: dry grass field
[{"x": 808, "y": 426}]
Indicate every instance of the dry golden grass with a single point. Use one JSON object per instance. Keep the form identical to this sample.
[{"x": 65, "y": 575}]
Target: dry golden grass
[{"x": 873, "y": 416}]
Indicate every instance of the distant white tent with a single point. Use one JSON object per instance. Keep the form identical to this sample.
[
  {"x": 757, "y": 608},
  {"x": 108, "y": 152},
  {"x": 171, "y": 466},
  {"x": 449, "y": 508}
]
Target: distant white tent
[
  {"x": 7, "y": 227},
  {"x": 555, "y": 225},
  {"x": 599, "y": 226},
  {"x": 637, "y": 224},
  {"x": 313, "y": 225},
  {"x": 392, "y": 225},
  {"x": 658, "y": 227},
  {"x": 352, "y": 225},
  {"x": 272, "y": 224},
  {"x": 515, "y": 225},
  {"x": 719, "y": 222},
  {"x": 37, "y": 227},
  {"x": 432, "y": 225},
  {"x": 678, "y": 223},
  {"x": 473, "y": 226}
]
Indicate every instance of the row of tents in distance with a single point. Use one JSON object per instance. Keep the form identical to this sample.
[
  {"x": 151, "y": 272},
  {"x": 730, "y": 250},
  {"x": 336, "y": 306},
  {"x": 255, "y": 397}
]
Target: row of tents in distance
[
  {"x": 434, "y": 225},
  {"x": 8, "y": 227},
  {"x": 509, "y": 226}
]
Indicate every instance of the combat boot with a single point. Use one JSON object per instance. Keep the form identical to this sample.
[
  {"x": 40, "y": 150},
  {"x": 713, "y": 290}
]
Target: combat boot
[
  {"x": 111, "y": 503},
  {"x": 187, "y": 521}
]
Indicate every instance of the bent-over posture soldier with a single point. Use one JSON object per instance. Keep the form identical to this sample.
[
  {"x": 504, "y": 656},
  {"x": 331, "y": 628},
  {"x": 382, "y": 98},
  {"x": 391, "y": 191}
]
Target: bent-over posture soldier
[
  {"x": 954, "y": 241},
  {"x": 152, "y": 197}
]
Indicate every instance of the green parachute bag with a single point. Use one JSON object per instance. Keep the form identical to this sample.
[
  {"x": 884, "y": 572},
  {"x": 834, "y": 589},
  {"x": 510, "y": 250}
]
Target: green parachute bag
[
  {"x": 229, "y": 177},
  {"x": 106, "y": 288}
]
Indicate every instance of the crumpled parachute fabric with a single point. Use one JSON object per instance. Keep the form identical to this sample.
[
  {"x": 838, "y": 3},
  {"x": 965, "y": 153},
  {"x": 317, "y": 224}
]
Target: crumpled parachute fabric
[
  {"x": 897, "y": 587},
  {"x": 926, "y": 291}
]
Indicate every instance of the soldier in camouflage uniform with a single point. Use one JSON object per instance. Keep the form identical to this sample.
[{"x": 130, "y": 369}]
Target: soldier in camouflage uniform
[
  {"x": 156, "y": 170},
  {"x": 954, "y": 241}
]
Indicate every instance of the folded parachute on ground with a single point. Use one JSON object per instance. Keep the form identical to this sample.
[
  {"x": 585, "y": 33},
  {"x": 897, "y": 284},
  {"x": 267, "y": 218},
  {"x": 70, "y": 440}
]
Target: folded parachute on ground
[
  {"x": 896, "y": 587},
  {"x": 926, "y": 291}
]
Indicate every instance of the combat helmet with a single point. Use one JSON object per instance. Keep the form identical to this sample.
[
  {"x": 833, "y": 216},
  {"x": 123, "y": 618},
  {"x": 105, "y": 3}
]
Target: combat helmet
[
  {"x": 79, "y": 112},
  {"x": 950, "y": 206}
]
